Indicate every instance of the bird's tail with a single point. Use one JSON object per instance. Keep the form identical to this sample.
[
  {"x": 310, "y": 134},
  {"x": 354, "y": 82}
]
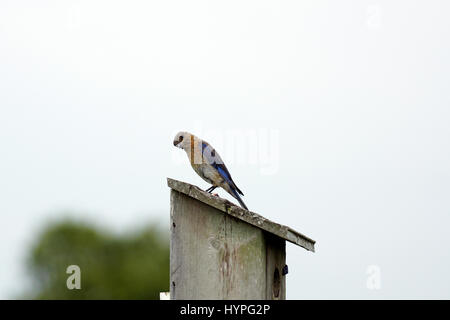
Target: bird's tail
[{"x": 235, "y": 194}]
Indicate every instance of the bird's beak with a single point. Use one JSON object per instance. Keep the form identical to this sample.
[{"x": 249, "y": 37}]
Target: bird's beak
[{"x": 175, "y": 143}]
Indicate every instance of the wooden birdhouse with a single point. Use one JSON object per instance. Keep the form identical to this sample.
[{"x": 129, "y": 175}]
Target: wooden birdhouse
[{"x": 221, "y": 251}]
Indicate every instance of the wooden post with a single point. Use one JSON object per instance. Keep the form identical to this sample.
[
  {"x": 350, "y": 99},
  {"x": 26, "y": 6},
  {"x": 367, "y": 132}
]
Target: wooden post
[{"x": 221, "y": 251}]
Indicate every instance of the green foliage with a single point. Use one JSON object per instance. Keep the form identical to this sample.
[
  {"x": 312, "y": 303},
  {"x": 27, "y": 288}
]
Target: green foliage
[{"x": 134, "y": 266}]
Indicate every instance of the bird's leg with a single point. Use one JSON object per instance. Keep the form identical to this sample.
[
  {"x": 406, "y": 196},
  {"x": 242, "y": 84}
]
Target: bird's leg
[{"x": 210, "y": 189}]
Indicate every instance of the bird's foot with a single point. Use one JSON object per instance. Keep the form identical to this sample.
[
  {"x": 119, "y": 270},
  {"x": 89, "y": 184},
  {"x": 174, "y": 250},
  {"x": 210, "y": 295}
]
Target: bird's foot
[{"x": 210, "y": 189}]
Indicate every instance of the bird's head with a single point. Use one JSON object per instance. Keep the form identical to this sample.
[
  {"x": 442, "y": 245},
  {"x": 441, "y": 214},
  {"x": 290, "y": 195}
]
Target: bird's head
[{"x": 182, "y": 140}]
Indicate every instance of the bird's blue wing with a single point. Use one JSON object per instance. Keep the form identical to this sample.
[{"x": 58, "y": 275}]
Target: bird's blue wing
[{"x": 213, "y": 158}]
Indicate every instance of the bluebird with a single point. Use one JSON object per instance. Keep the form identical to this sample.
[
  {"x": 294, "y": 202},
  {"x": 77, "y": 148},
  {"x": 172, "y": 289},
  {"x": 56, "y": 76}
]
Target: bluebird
[{"x": 208, "y": 164}]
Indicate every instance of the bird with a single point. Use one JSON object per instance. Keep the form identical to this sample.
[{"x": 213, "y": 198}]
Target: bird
[{"x": 208, "y": 164}]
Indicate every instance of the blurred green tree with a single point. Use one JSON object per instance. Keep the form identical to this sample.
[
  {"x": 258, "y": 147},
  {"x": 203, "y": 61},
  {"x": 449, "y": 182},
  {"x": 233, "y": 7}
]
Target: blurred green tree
[{"x": 131, "y": 266}]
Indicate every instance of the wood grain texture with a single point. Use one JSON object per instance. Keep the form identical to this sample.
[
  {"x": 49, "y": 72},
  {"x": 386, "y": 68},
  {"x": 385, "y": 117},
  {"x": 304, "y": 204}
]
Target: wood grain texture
[
  {"x": 249, "y": 217},
  {"x": 275, "y": 261},
  {"x": 214, "y": 255}
]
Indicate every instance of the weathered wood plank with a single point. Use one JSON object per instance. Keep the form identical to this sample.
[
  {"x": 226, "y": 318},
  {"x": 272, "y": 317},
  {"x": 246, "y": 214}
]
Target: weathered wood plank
[
  {"x": 214, "y": 255},
  {"x": 242, "y": 214},
  {"x": 275, "y": 261}
]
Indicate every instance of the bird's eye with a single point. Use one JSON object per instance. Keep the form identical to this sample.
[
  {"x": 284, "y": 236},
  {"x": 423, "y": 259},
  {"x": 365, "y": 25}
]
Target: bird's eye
[{"x": 180, "y": 138}]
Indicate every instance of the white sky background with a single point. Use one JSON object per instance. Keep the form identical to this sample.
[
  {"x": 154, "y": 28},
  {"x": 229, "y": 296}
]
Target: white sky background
[{"x": 92, "y": 93}]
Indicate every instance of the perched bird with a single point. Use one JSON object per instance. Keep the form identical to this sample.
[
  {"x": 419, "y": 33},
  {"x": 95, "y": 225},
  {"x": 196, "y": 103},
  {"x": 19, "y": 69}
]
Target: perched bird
[{"x": 208, "y": 164}]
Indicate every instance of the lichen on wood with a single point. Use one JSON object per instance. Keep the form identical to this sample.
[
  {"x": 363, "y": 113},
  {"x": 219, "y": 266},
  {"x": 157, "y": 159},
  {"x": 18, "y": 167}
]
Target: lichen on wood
[{"x": 249, "y": 217}]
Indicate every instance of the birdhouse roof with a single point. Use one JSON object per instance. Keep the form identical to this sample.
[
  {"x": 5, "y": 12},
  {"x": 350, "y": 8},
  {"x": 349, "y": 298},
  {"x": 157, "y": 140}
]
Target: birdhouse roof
[{"x": 249, "y": 217}]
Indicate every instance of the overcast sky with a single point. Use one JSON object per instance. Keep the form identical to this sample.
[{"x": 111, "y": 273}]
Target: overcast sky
[{"x": 332, "y": 116}]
